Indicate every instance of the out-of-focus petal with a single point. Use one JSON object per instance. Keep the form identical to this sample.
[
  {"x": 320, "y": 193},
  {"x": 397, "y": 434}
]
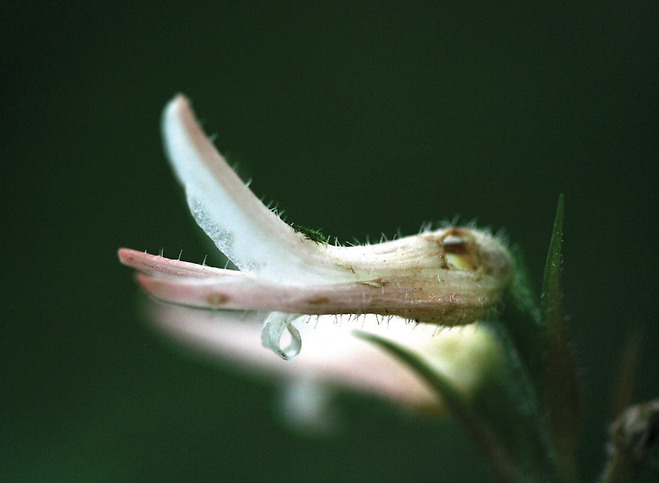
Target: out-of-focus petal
[{"x": 333, "y": 356}]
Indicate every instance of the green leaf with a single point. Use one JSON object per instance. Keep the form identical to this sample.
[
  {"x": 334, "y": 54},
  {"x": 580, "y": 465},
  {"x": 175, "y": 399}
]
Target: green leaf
[
  {"x": 499, "y": 416},
  {"x": 552, "y": 297},
  {"x": 559, "y": 391}
]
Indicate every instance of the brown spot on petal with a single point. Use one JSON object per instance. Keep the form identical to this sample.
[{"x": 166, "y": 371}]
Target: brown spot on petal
[
  {"x": 217, "y": 299},
  {"x": 319, "y": 301}
]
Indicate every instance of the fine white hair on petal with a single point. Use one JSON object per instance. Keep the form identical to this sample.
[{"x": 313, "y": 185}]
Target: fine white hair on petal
[{"x": 240, "y": 225}]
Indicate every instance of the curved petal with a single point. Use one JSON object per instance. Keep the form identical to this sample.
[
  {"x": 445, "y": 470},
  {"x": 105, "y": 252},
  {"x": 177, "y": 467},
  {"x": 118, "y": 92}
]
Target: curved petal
[
  {"x": 245, "y": 230},
  {"x": 273, "y": 330}
]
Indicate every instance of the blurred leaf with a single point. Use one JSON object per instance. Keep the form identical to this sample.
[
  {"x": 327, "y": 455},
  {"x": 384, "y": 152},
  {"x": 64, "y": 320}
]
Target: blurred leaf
[
  {"x": 623, "y": 388},
  {"x": 500, "y": 416},
  {"x": 633, "y": 443}
]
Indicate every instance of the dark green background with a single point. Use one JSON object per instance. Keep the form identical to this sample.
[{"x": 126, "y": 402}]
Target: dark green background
[{"x": 356, "y": 118}]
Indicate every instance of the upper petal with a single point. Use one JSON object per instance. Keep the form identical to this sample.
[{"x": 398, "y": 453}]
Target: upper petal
[{"x": 245, "y": 230}]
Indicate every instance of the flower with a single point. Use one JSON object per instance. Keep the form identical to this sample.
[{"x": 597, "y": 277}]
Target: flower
[{"x": 404, "y": 290}]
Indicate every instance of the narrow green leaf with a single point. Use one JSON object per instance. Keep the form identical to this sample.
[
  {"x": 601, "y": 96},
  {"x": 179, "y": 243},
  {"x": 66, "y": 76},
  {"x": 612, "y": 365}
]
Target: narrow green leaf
[
  {"x": 552, "y": 297},
  {"x": 498, "y": 421},
  {"x": 559, "y": 391}
]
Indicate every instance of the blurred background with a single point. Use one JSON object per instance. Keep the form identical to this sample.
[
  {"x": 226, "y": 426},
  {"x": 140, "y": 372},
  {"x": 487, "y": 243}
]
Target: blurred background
[{"x": 356, "y": 118}]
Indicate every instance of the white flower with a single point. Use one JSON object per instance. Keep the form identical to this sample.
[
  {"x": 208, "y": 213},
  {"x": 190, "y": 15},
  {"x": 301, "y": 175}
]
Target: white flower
[{"x": 403, "y": 289}]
